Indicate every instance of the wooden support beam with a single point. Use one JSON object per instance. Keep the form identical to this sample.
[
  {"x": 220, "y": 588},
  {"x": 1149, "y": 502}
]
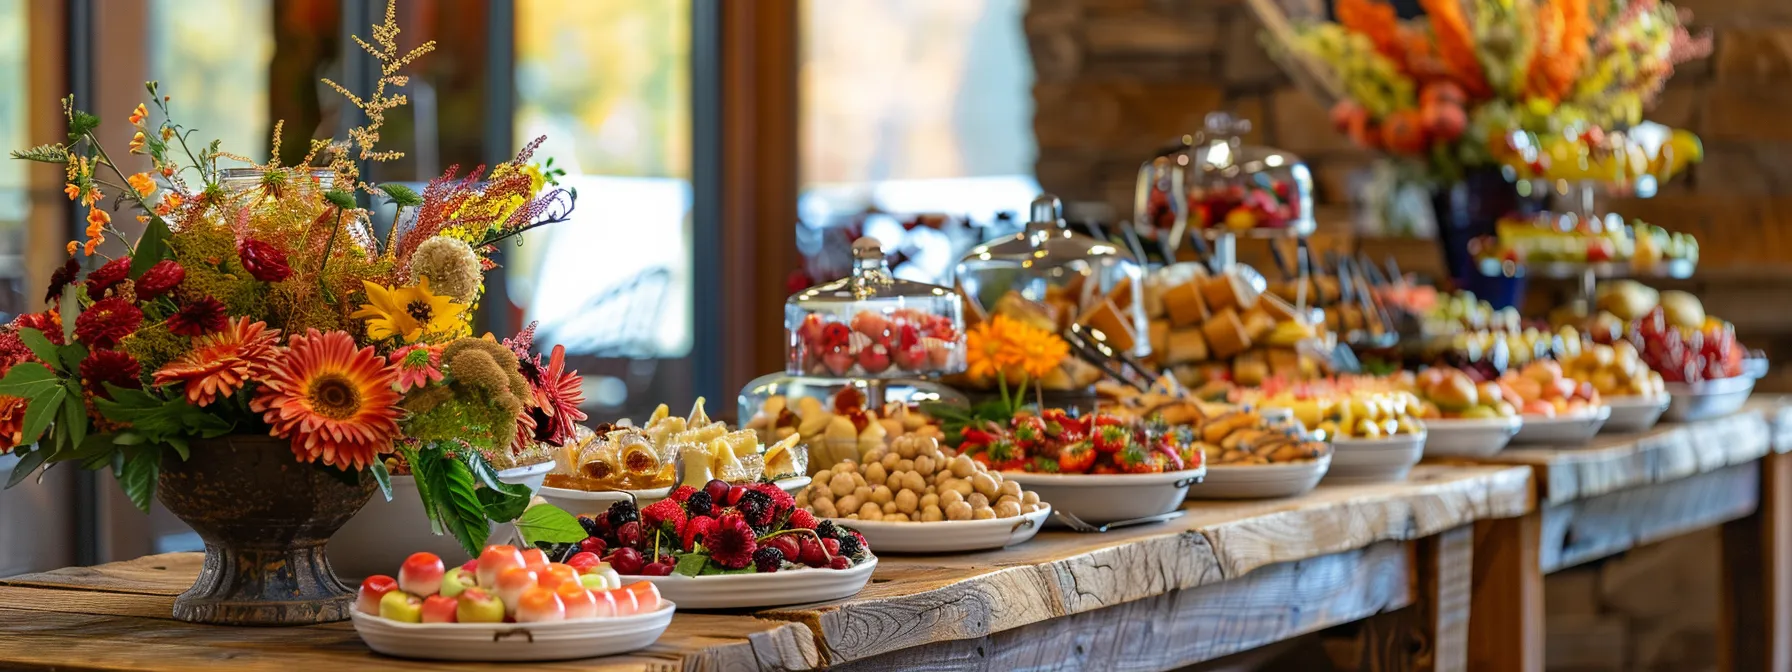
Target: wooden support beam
[
  {"x": 1756, "y": 621},
  {"x": 1506, "y": 614},
  {"x": 1597, "y": 527}
]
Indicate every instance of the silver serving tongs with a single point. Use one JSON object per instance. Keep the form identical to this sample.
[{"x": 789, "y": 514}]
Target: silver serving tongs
[{"x": 1118, "y": 364}]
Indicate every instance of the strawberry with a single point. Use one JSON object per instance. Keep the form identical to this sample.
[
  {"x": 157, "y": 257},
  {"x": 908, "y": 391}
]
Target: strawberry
[
  {"x": 1112, "y": 438},
  {"x": 1076, "y": 458},
  {"x": 1136, "y": 460},
  {"x": 1041, "y": 464},
  {"x": 1104, "y": 468},
  {"x": 1029, "y": 432},
  {"x": 1004, "y": 455},
  {"x": 974, "y": 439},
  {"x": 1062, "y": 422}
]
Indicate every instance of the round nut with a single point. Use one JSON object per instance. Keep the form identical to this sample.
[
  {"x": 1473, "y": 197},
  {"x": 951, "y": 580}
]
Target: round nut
[
  {"x": 1009, "y": 488},
  {"x": 863, "y": 492},
  {"x": 1007, "y": 498},
  {"x": 1029, "y": 497},
  {"x": 898, "y": 517},
  {"x": 906, "y": 449},
  {"x": 888, "y": 507},
  {"x": 958, "y": 511},
  {"x": 875, "y": 474},
  {"x": 984, "y": 485},
  {"x": 978, "y": 501},
  {"x": 870, "y": 511},
  {"x": 963, "y": 486},
  {"x": 906, "y": 464},
  {"x": 841, "y": 485},
  {"x": 890, "y": 460},
  {"x": 1009, "y": 509},
  {"x": 825, "y": 509},
  {"x": 882, "y": 495},
  {"x": 982, "y": 513},
  {"x": 914, "y": 481},
  {"x": 924, "y": 465},
  {"x": 929, "y": 499},
  {"x": 849, "y": 503},
  {"x": 963, "y": 467},
  {"x": 951, "y": 496},
  {"x": 932, "y": 514},
  {"x": 847, "y": 466},
  {"x": 906, "y": 501}
]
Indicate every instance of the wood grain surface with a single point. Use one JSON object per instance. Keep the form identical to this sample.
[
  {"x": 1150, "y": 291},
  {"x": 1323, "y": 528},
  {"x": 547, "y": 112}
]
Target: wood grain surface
[
  {"x": 1506, "y": 613},
  {"x": 1598, "y": 527},
  {"x": 1189, "y": 626},
  {"x": 1755, "y": 633}
]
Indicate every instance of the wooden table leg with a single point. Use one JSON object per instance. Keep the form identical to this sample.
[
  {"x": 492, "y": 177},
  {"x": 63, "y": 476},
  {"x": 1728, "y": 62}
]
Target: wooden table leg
[
  {"x": 1757, "y": 578},
  {"x": 1432, "y": 634},
  {"x": 1505, "y": 627}
]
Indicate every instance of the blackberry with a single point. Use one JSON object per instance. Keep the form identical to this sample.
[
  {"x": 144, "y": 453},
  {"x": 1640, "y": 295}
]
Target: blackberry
[
  {"x": 590, "y": 525},
  {"x": 768, "y": 559},
  {"x": 827, "y": 529},
  {"x": 623, "y": 512},
  {"x": 699, "y": 503},
  {"x": 756, "y": 507},
  {"x": 849, "y": 544}
]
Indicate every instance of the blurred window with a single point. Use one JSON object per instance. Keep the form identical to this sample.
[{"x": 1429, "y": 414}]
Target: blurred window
[
  {"x": 14, "y": 127},
  {"x": 212, "y": 56}
]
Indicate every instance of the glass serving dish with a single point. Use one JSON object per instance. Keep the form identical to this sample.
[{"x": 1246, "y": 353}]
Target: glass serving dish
[
  {"x": 1060, "y": 277},
  {"x": 872, "y": 325},
  {"x": 1218, "y": 185},
  {"x": 841, "y": 418}
]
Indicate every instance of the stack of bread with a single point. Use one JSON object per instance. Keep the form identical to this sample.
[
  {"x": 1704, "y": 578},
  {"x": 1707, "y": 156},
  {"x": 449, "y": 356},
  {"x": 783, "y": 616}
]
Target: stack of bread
[{"x": 1208, "y": 326}]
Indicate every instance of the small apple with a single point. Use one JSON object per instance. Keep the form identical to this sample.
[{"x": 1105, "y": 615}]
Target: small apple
[
  {"x": 537, "y": 605},
  {"x": 582, "y": 561},
  {"x": 870, "y": 323},
  {"x": 837, "y": 360},
  {"x": 578, "y": 601},
  {"x": 421, "y": 574},
  {"x": 439, "y": 609},
  {"x": 402, "y": 607},
  {"x": 535, "y": 559},
  {"x": 476, "y": 605},
  {"x": 912, "y": 356},
  {"x": 605, "y": 604},
  {"x": 647, "y": 595},
  {"x": 375, "y": 587},
  {"x": 874, "y": 358},
  {"x": 594, "y": 582},
  {"x": 625, "y": 601},
  {"x": 512, "y": 583},
  {"x": 471, "y": 565},
  {"x": 494, "y": 560},
  {"x": 556, "y": 575},
  {"x": 458, "y": 580}
]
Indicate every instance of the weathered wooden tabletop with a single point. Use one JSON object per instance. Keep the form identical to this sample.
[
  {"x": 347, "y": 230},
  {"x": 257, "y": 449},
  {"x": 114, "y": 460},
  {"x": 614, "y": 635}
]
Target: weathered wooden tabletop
[{"x": 1287, "y": 557}]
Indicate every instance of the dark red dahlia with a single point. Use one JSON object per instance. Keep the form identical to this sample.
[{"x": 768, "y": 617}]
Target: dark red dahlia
[
  {"x": 666, "y": 516},
  {"x": 199, "y": 318},
  {"x": 102, "y": 367},
  {"x": 104, "y": 277},
  {"x": 732, "y": 543},
  {"x": 63, "y": 277},
  {"x": 266, "y": 262},
  {"x": 47, "y": 322},
  {"x": 160, "y": 279},
  {"x": 107, "y": 322},
  {"x": 696, "y": 530}
]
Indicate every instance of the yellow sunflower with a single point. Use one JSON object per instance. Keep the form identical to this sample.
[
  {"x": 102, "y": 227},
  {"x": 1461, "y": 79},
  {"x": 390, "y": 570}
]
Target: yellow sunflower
[{"x": 409, "y": 313}]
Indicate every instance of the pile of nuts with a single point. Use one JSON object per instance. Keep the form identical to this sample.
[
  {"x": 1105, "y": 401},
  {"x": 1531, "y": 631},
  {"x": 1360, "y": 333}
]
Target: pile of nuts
[{"x": 914, "y": 481}]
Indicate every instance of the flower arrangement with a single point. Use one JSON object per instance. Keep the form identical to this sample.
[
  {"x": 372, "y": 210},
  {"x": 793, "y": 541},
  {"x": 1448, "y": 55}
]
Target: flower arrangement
[
  {"x": 261, "y": 300},
  {"x": 1479, "y": 82},
  {"x": 1012, "y": 352}
]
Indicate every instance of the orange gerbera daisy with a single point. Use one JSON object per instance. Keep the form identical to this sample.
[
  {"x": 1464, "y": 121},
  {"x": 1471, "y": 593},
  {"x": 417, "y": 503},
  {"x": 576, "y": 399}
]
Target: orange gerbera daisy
[
  {"x": 337, "y": 404},
  {"x": 221, "y": 363}
]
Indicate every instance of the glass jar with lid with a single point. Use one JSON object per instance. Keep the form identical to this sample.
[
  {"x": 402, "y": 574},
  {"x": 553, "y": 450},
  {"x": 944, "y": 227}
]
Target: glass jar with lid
[
  {"x": 871, "y": 325},
  {"x": 1066, "y": 278},
  {"x": 843, "y": 418},
  {"x": 1218, "y": 185}
]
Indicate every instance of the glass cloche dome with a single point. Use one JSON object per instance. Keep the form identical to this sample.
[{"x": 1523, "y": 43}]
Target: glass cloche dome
[
  {"x": 1217, "y": 184},
  {"x": 1075, "y": 279},
  {"x": 872, "y": 325}
]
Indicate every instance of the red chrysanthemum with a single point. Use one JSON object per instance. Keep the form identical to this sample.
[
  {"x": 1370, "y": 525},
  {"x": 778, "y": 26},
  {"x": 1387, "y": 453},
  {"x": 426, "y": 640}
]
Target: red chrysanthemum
[
  {"x": 266, "y": 262},
  {"x": 732, "y": 543},
  {"x": 102, "y": 367},
  {"x": 12, "y": 350},
  {"x": 220, "y": 364},
  {"x": 801, "y": 519},
  {"x": 107, "y": 322},
  {"x": 558, "y": 395},
  {"x": 665, "y": 515},
  {"x": 160, "y": 279},
  {"x": 12, "y": 423},
  {"x": 104, "y": 277},
  {"x": 335, "y": 402},
  {"x": 696, "y": 530},
  {"x": 48, "y": 322},
  {"x": 201, "y": 317},
  {"x": 62, "y": 278}
]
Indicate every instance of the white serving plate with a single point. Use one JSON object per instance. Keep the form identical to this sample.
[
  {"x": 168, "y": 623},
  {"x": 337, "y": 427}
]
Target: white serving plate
[
  {"x": 596, "y": 501},
  {"x": 949, "y": 536},
  {"x": 789, "y": 586},
  {"x": 1634, "y": 414},
  {"x": 1564, "y": 430},
  {"x": 383, "y": 534},
  {"x": 1104, "y": 498},
  {"x": 1261, "y": 481},
  {"x": 1708, "y": 399},
  {"x": 514, "y": 642},
  {"x": 1477, "y": 437},
  {"x": 1356, "y": 461}
]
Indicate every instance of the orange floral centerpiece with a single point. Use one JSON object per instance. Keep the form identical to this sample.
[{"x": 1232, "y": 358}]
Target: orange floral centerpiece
[{"x": 263, "y": 355}]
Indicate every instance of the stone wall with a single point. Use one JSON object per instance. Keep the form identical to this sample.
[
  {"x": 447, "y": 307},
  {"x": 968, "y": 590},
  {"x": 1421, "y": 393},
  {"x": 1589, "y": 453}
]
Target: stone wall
[{"x": 1117, "y": 79}]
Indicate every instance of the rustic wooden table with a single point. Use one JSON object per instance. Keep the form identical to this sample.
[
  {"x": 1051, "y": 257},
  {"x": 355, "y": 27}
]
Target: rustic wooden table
[
  {"x": 1226, "y": 577},
  {"x": 1622, "y": 491}
]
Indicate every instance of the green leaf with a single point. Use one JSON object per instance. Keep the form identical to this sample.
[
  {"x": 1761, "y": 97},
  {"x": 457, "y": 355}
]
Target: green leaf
[
  {"x": 545, "y": 522},
  {"x": 141, "y": 467},
  {"x": 40, "y": 346},
  {"x": 179, "y": 445},
  {"x": 81, "y": 123},
  {"x": 95, "y": 445},
  {"x": 383, "y": 477},
  {"x": 72, "y": 355},
  {"x": 341, "y": 198},
  {"x": 691, "y": 564},
  {"x": 466, "y": 515},
  {"x": 27, "y": 380},
  {"x": 402, "y": 195},
  {"x": 717, "y": 570},
  {"x": 423, "y": 468},
  {"x": 69, "y": 307},
  {"x": 501, "y": 506},
  {"x": 39, "y": 410},
  {"x": 43, "y": 154},
  {"x": 74, "y": 414},
  {"x": 29, "y": 461},
  {"x": 151, "y": 248}
]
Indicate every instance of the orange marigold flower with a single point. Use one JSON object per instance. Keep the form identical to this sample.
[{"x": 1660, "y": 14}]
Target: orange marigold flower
[
  {"x": 97, "y": 218},
  {"x": 139, "y": 114},
  {"x": 221, "y": 363},
  {"x": 93, "y": 244},
  {"x": 72, "y": 246},
  {"x": 339, "y": 405},
  {"x": 72, "y": 190},
  {"x": 137, "y": 142},
  {"x": 142, "y": 184},
  {"x": 91, "y": 196}
]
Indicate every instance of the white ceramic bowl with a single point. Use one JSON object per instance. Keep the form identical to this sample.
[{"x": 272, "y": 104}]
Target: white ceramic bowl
[
  {"x": 514, "y": 642},
  {"x": 1708, "y": 399},
  {"x": 1564, "y": 430},
  {"x": 383, "y": 534},
  {"x": 1261, "y": 481},
  {"x": 1477, "y": 437},
  {"x": 596, "y": 501},
  {"x": 1374, "y": 460},
  {"x": 736, "y": 591},
  {"x": 951, "y": 536},
  {"x": 1634, "y": 414},
  {"x": 1105, "y": 498}
]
